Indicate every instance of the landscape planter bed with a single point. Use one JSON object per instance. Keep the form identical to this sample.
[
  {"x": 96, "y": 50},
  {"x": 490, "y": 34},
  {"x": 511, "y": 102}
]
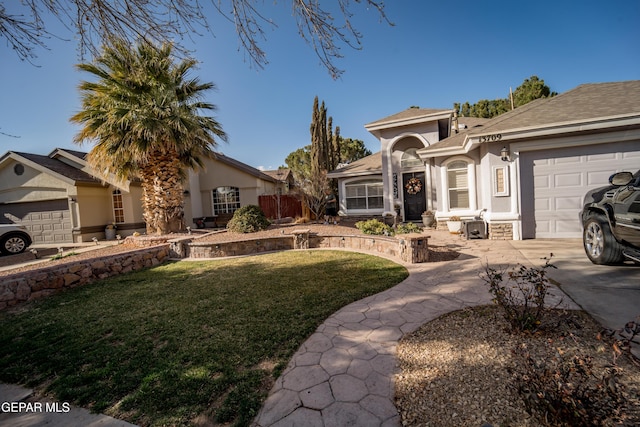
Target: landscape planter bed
[{"x": 410, "y": 248}]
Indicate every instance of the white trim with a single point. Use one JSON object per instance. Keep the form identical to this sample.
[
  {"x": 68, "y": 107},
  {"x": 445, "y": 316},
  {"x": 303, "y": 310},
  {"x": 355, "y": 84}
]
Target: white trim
[
  {"x": 343, "y": 196},
  {"x": 560, "y": 128},
  {"x": 576, "y": 141},
  {"x": 431, "y": 117},
  {"x": 471, "y": 183}
]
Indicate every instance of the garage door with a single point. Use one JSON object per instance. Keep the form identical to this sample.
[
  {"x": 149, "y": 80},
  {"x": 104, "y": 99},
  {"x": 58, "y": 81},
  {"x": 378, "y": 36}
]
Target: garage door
[
  {"x": 48, "y": 221},
  {"x": 558, "y": 180}
]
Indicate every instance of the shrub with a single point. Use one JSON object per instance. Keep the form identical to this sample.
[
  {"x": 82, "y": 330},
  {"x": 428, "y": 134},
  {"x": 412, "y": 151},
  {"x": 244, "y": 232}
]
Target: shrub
[
  {"x": 248, "y": 219},
  {"x": 522, "y": 297},
  {"x": 565, "y": 390},
  {"x": 409, "y": 227},
  {"x": 373, "y": 226}
]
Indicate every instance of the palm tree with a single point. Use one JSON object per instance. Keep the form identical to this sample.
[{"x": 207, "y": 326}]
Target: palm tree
[{"x": 143, "y": 113}]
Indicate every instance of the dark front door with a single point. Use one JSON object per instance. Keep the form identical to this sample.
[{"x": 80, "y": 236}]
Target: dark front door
[{"x": 415, "y": 201}]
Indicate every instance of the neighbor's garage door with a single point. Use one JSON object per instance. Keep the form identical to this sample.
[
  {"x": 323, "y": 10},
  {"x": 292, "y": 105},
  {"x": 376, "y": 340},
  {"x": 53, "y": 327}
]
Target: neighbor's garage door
[
  {"x": 48, "y": 221},
  {"x": 558, "y": 180}
]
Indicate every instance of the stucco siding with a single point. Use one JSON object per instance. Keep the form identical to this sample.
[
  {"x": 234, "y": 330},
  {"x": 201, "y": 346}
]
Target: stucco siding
[{"x": 32, "y": 185}]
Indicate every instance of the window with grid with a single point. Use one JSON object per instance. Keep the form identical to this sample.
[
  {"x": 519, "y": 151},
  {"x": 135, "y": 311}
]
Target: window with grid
[
  {"x": 118, "y": 207},
  {"x": 364, "y": 195},
  {"x": 226, "y": 200},
  {"x": 458, "y": 185}
]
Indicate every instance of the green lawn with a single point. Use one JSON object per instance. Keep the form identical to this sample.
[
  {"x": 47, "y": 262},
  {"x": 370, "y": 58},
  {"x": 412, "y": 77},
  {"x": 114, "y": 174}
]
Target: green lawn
[{"x": 185, "y": 342}]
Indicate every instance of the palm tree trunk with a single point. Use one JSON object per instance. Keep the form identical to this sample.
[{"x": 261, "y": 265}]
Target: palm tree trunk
[{"x": 163, "y": 198}]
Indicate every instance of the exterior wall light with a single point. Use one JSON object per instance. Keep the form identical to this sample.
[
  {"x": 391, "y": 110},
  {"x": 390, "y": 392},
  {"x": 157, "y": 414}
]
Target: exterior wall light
[{"x": 504, "y": 154}]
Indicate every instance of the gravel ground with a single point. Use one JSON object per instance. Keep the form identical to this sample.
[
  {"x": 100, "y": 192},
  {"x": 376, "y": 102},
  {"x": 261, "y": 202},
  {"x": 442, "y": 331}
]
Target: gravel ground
[{"x": 466, "y": 369}]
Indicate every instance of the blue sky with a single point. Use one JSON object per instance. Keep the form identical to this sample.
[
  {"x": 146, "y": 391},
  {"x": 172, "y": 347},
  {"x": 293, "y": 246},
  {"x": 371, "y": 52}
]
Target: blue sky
[{"x": 435, "y": 55}]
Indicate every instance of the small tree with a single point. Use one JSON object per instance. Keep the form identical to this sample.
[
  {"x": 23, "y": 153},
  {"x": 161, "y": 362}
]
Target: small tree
[{"x": 311, "y": 192}]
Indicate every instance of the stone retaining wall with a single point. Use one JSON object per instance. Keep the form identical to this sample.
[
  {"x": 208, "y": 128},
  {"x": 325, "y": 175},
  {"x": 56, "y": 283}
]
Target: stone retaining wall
[
  {"x": 33, "y": 284},
  {"x": 410, "y": 248}
]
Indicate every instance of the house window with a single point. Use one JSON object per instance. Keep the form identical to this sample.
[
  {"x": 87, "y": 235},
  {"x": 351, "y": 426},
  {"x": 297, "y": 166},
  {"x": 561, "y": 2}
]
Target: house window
[
  {"x": 410, "y": 158},
  {"x": 226, "y": 200},
  {"x": 364, "y": 195},
  {"x": 458, "y": 184},
  {"x": 118, "y": 207}
]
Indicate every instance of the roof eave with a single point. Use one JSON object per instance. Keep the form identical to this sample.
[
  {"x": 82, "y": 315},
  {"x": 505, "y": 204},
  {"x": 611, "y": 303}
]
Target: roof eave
[
  {"x": 407, "y": 121},
  {"x": 352, "y": 174},
  {"x": 554, "y": 129}
]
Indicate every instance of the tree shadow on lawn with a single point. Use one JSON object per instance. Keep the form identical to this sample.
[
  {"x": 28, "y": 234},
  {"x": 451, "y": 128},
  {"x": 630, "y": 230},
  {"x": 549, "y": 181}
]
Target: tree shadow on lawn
[{"x": 183, "y": 341}]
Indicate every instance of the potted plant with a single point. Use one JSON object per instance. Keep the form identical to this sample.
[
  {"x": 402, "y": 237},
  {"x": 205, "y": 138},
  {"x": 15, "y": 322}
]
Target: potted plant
[
  {"x": 454, "y": 224},
  {"x": 427, "y": 218},
  {"x": 110, "y": 231}
]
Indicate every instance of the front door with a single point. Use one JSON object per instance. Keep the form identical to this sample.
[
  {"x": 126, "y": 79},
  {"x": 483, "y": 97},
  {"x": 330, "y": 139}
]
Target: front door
[{"x": 414, "y": 190}]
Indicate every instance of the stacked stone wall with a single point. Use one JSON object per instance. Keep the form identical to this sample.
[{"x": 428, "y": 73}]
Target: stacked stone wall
[
  {"x": 408, "y": 248},
  {"x": 500, "y": 231},
  {"x": 30, "y": 285}
]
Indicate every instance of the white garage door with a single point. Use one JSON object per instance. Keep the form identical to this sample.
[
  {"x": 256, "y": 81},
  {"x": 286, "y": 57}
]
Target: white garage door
[
  {"x": 561, "y": 178},
  {"x": 48, "y": 221}
]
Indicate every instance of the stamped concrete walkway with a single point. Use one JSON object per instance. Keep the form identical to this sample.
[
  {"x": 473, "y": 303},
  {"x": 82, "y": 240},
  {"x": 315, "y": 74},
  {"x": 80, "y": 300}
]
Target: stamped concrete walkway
[{"x": 343, "y": 374}]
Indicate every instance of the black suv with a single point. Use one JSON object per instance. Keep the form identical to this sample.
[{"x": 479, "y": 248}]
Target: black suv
[{"x": 611, "y": 220}]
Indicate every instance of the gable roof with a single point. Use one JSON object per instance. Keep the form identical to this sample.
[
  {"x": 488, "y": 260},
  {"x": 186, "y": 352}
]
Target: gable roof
[
  {"x": 593, "y": 106},
  {"x": 407, "y": 117},
  {"x": 279, "y": 174},
  {"x": 81, "y": 155},
  {"x": 53, "y": 166},
  {"x": 369, "y": 165}
]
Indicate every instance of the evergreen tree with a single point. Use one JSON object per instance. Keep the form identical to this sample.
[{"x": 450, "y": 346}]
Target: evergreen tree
[{"x": 531, "y": 89}]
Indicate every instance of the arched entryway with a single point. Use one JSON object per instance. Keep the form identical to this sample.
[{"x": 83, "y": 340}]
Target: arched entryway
[{"x": 412, "y": 172}]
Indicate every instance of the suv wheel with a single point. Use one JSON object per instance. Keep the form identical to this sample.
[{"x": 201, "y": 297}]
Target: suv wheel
[
  {"x": 599, "y": 244},
  {"x": 13, "y": 244}
]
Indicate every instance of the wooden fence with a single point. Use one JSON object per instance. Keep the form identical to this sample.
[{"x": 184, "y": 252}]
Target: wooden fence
[{"x": 280, "y": 206}]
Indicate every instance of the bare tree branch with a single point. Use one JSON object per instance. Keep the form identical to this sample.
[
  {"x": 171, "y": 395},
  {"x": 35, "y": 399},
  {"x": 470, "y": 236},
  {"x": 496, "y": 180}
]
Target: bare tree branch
[{"x": 96, "y": 21}]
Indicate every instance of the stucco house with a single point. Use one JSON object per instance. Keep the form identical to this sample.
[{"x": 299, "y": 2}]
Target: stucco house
[
  {"x": 524, "y": 172},
  {"x": 61, "y": 200}
]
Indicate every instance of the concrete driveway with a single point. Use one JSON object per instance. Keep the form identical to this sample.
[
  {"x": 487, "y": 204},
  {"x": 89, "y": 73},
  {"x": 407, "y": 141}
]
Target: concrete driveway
[{"x": 611, "y": 294}]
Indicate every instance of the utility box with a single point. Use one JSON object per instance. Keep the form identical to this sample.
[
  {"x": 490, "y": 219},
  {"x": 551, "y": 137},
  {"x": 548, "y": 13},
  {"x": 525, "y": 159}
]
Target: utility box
[{"x": 475, "y": 230}]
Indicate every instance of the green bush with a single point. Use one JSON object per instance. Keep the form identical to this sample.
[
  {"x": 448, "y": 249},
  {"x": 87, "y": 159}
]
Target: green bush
[
  {"x": 373, "y": 226},
  {"x": 407, "y": 228},
  {"x": 248, "y": 219}
]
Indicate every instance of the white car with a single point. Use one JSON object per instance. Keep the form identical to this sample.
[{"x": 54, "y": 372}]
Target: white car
[{"x": 14, "y": 239}]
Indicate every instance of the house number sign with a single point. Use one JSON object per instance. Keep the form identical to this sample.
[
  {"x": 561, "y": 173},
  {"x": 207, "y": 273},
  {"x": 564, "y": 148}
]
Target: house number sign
[{"x": 491, "y": 138}]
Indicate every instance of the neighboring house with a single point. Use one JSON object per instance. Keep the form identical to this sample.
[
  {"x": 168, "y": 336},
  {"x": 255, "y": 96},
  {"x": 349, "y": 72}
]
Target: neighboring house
[
  {"x": 61, "y": 200},
  {"x": 283, "y": 176},
  {"x": 225, "y": 185},
  {"x": 524, "y": 172}
]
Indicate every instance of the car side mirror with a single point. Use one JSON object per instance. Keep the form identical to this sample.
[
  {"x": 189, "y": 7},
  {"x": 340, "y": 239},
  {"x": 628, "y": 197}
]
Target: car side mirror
[{"x": 621, "y": 178}]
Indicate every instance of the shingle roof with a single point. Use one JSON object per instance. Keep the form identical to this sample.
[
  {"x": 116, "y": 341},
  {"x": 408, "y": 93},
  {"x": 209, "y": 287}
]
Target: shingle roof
[
  {"x": 79, "y": 154},
  {"x": 59, "y": 167},
  {"x": 279, "y": 174},
  {"x": 586, "y": 103},
  {"x": 367, "y": 165}
]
